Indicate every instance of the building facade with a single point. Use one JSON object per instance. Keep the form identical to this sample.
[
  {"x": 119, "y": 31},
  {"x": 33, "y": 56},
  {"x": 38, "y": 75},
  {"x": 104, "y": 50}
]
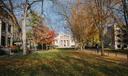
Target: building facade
[
  {"x": 6, "y": 33},
  {"x": 121, "y": 37},
  {"x": 117, "y": 37},
  {"x": 64, "y": 41}
]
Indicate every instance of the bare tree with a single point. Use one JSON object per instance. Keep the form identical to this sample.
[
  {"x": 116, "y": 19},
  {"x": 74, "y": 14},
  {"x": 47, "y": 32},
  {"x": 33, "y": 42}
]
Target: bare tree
[
  {"x": 100, "y": 14},
  {"x": 125, "y": 10},
  {"x": 8, "y": 7},
  {"x": 81, "y": 25},
  {"x": 79, "y": 21}
]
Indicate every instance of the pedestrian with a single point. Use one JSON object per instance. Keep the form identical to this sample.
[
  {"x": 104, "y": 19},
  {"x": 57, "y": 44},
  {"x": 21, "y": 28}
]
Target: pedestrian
[{"x": 97, "y": 48}]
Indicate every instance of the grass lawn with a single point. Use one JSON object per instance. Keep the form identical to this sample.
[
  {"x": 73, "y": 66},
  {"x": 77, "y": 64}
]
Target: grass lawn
[{"x": 60, "y": 63}]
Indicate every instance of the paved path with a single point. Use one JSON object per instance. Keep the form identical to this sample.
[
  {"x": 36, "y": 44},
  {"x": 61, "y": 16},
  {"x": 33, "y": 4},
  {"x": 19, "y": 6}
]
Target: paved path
[{"x": 119, "y": 55}]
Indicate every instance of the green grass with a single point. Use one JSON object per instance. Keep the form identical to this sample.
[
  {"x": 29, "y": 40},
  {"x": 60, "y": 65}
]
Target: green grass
[{"x": 60, "y": 63}]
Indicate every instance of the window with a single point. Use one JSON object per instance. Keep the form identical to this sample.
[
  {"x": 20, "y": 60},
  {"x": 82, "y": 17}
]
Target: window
[
  {"x": 118, "y": 40},
  {"x": 9, "y": 28},
  {"x": 118, "y": 35},
  {"x": 72, "y": 41},
  {"x": 3, "y": 26},
  {"x": 61, "y": 43},
  {"x": 125, "y": 41},
  {"x": 68, "y": 43},
  {"x": 118, "y": 46},
  {"x": 118, "y": 31},
  {"x": 3, "y": 41},
  {"x": 125, "y": 46},
  {"x": 125, "y": 35},
  {"x": 124, "y": 31},
  {"x": 56, "y": 41}
]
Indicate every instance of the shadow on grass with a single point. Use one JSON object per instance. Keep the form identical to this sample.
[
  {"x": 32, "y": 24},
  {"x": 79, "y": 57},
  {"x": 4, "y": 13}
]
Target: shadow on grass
[{"x": 60, "y": 64}]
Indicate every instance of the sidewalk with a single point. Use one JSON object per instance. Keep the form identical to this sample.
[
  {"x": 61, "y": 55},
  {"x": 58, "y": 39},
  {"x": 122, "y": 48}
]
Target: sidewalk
[{"x": 119, "y": 55}]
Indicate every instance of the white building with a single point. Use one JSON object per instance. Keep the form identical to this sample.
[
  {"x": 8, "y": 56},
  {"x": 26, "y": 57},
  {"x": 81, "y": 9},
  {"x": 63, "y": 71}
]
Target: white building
[
  {"x": 6, "y": 31},
  {"x": 64, "y": 41}
]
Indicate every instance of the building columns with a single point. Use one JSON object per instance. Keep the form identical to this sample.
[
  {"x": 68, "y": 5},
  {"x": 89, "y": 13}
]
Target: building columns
[
  {"x": 6, "y": 36},
  {"x": 0, "y": 31},
  {"x": 66, "y": 43},
  {"x": 11, "y": 41}
]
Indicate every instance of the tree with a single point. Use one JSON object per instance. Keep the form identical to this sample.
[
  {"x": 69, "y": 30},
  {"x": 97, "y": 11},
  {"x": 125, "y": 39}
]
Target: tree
[
  {"x": 81, "y": 25},
  {"x": 125, "y": 10},
  {"x": 100, "y": 15},
  {"x": 8, "y": 7},
  {"x": 40, "y": 33},
  {"x": 27, "y": 6},
  {"x": 43, "y": 35},
  {"x": 79, "y": 21}
]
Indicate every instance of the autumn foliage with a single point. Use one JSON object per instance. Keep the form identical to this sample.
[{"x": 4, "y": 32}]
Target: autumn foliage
[
  {"x": 43, "y": 35},
  {"x": 82, "y": 25}
]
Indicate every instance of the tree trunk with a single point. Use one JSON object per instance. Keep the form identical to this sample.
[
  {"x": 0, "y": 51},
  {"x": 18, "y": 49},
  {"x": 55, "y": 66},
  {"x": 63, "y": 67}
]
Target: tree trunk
[
  {"x": 24, "y": 36},
  {"x": 24, "y": 31},
  {"x": 102, "y": 48},
  {"x": 101, "y": 42},
  {"x": 125, "y": 11},
  {"x": 42, "y": 45},
  {"x": 34, "y": 46},
  {"x": 81, "y": 48}
]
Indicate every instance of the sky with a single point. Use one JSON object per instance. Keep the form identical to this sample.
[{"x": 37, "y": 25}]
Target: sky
[
  {"x": 52, "y": 18},
  {"x": 50, "y": 13}
]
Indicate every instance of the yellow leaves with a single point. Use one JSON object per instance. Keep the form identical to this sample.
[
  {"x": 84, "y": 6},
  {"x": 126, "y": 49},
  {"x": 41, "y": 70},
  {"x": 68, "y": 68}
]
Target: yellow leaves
[{"x": 82, "y": 24}]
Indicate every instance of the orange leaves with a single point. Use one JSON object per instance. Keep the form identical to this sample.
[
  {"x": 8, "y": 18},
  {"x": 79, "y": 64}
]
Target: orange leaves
[{"x": 43, "y": 35}]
